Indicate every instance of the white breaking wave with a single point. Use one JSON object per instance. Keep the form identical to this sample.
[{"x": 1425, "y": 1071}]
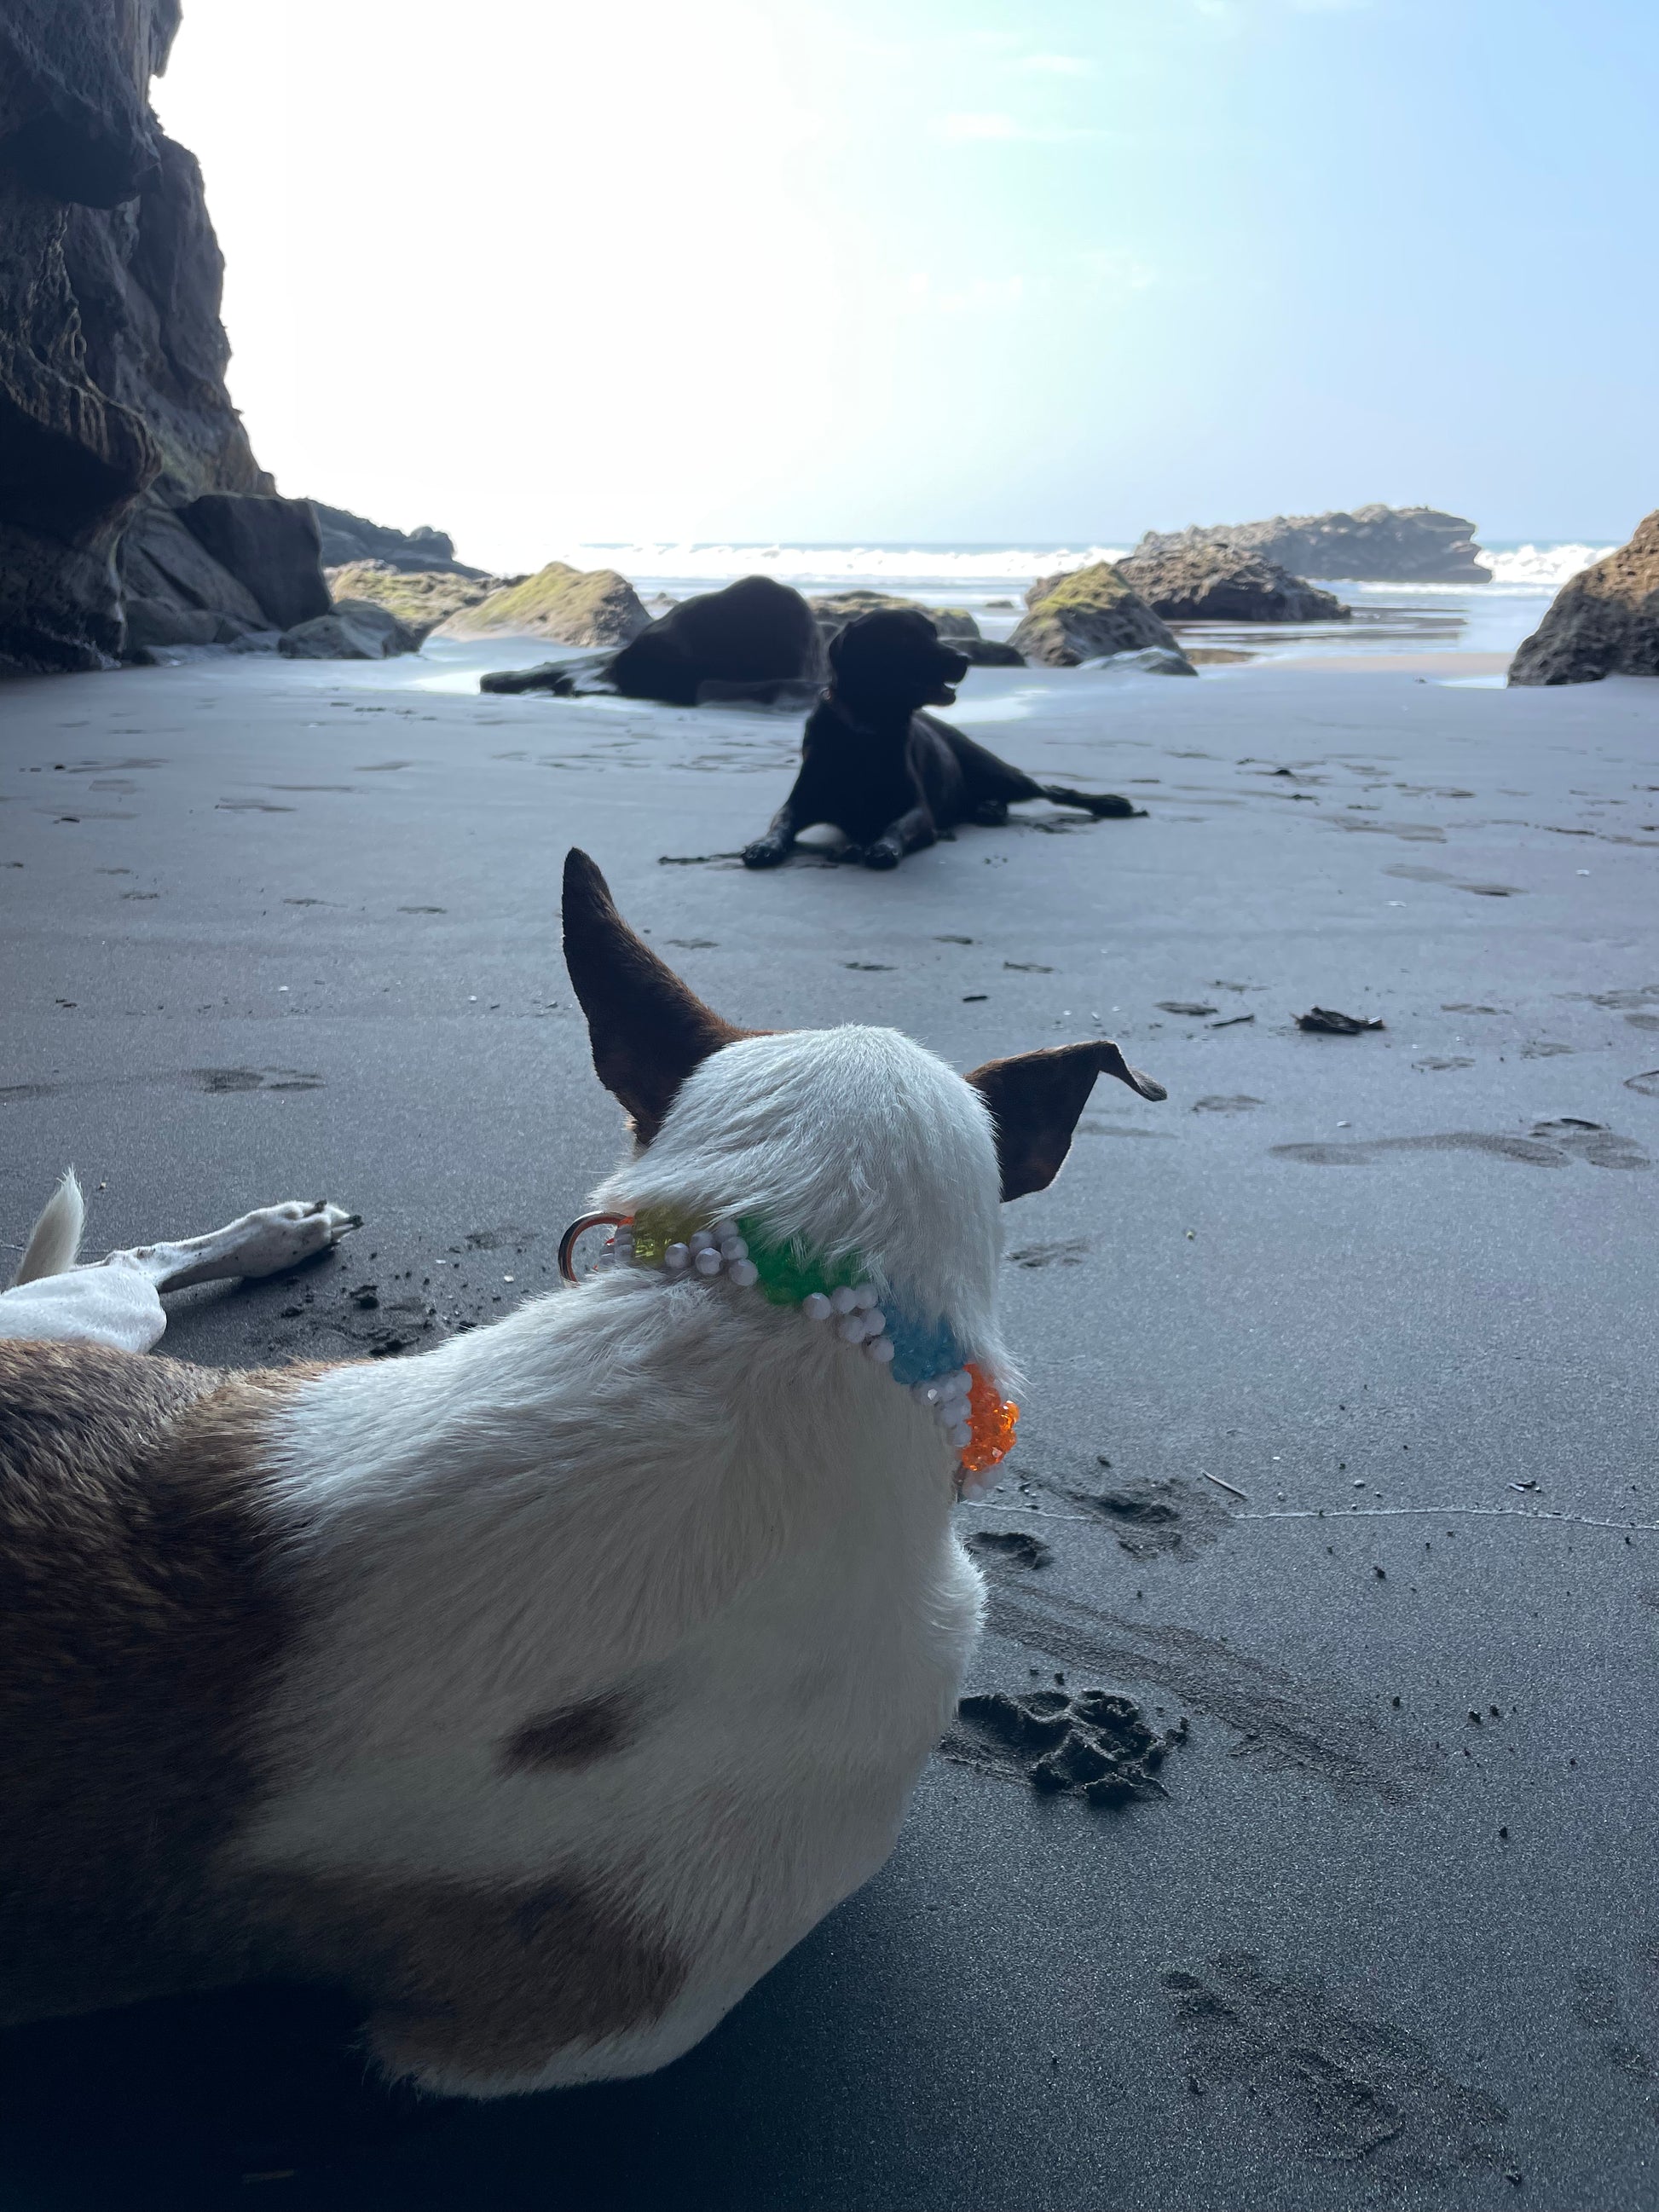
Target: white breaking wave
[
  {"x": 795, "y": 564},
  {"x": 1541, "y": 568},
  {"x": 977, "y": 570}
]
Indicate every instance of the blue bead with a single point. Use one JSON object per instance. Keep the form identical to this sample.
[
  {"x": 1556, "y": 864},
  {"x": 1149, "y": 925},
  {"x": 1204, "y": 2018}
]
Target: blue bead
[{"x": 920, "y": 1349}]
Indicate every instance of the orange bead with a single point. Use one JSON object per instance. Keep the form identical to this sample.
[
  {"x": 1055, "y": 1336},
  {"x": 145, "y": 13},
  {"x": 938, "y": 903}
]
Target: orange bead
[{"x": 993, "y": 1419}]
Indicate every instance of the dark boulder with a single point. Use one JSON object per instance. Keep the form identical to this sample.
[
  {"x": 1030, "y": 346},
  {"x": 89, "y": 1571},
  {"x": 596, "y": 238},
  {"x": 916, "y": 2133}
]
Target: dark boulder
[
  {"x": 268, "y": 545},
  {"x": 753, "y": 635},
  {"x": 1220, "y": 583},
  {"x": 163, "y": 565},
  {"x": 835, "y": 610},
  {"x": 1602, "y": 622},
  {"x": 354, "y": 630},
  {"x": 1372, "y": 544}
]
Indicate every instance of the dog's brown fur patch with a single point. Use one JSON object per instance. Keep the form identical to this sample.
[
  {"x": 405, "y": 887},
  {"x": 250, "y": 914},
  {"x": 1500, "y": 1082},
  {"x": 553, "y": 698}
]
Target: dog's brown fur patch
[
  {"x": 141, "y": 1621},
  {"x": 572, "y": 1736},
  {"x": 469, "y": 1984}
]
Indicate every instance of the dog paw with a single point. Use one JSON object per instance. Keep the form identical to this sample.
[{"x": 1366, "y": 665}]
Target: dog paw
[
  {"x": 276, "y": 1237},
  {"x": 764, "y": 852},
  {"x": 882, "y": 854}
]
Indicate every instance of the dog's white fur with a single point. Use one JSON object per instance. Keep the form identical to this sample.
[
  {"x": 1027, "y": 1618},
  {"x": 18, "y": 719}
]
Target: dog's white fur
[
  {"x": 117, "y": 1301},
  {"x": 671, "y": 1490}
]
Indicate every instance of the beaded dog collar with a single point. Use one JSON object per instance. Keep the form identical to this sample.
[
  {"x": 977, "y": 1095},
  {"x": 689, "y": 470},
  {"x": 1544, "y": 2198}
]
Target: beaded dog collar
[{"x": 926, "y": 1358}]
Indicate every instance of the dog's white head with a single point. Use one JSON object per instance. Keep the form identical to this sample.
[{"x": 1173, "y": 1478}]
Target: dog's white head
[{"x": 854, "y": 1138}]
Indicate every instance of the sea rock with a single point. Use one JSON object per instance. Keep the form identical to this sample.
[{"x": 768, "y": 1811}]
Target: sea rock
[
  {"x": 1602, "y": 622},
  {"x": 355, "y": 629},
  {"x": 835, "y": 610},
  {"x": 1222, "y": 583},
  {"x": 1372, "y": 544},
  {"x": 111, "y": 352},
  {"x": 269, "y": 545},
  {"x": 171, "y": 581},
  {"x": 420, "y": 598},
  {"x": 349, "y": 538},
  {"x": 989, "y": 652},
  {"x": 1087, "y": 613},
  {"x": 1145, "y": 660},
  {"x": 573, "y": 607},
  {"x": 742, "y": 642}
]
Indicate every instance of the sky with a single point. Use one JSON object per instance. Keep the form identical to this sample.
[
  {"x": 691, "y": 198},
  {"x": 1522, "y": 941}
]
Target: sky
[{"x": 935, "y": 271}]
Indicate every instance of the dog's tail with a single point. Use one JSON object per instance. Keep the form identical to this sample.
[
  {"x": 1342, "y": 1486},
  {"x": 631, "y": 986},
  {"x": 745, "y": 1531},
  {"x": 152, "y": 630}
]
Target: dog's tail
[
  {"x": 57, "y": 1235},
  {"x": 1102, "y": 804}
]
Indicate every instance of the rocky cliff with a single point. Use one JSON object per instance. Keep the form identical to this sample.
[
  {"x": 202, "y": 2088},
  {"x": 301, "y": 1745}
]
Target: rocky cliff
[
  {"x": 1603, "y": 622},
  {"x": 115, "y": 424},
  {"x": 1374, "y": 544},
  {"x": 346, "y": 538}
]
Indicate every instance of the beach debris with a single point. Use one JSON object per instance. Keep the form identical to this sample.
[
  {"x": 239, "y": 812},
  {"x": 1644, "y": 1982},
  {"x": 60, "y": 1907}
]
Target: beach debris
[
  {"x": 1232, "y": 1021},
  {"x": 1185, "y": 1006},
  {"x": 1326, "y": 1021},
  {"x": 1221, "y": 1484},
  {"x": 1238, "y": 1103},
  {"x": 1096, "y": 1746},
  {"x": 1647, "y": 1083}
]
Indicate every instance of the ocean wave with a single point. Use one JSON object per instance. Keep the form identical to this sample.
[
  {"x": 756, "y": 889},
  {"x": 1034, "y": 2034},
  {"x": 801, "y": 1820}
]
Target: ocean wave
[
  {"x": 980, "y": 569},
  {"x": 970, "y": 566},
  {"x": 1541, "y": 568}
]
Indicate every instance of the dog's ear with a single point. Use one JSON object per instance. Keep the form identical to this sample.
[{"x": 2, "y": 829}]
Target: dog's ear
[
  {"x": 647, "y": 1030},
  {"x": 1035, "y": 1100}
]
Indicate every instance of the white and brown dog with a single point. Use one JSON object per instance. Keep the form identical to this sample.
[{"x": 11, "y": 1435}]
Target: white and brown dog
[{"x": 544, "y": 1689}]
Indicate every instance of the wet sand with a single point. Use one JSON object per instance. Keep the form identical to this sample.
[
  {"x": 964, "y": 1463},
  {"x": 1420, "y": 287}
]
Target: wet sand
[{"x": 1390, "y": 1936}]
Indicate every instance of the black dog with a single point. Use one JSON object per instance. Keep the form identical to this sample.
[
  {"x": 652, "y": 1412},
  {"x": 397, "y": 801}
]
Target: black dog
[{"x": 888, "y": 776}]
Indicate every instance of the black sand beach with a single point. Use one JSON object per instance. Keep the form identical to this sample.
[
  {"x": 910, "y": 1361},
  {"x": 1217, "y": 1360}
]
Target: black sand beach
[{"x": 1390, "y": 1934}]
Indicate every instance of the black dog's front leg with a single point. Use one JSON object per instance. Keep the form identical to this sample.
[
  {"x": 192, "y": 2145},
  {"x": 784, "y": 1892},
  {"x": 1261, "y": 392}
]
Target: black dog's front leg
[
  {"x": 773, "y": 849},
  {"x": 909, "y": 834}
]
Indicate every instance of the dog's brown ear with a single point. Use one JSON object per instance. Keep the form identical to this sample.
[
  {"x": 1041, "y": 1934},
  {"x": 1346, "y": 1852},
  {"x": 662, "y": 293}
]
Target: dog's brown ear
[
  {"x": 647, "y": 1030},
  {"x": 1035, "y": 1099}
]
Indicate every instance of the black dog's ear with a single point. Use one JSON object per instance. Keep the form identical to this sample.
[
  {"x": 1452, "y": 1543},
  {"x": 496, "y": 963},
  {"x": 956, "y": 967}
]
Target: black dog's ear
[
  {"x": 1035, "y": 1099},
  {"x": 647, "y": 1030}
]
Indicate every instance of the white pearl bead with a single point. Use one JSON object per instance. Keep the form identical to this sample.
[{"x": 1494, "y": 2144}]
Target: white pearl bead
[
  {"x": 744, "y": 1274},
  {"x": 881, "y": 1349},
  {"x": 865, "y": 1296},
  {"x": 843, "y": 1300},
  {"x": 947, "y": 1412},
  {"x": 699, "y": 1240},
  {"x": 816, "y": 1306},
  {"x": 874, "y": 1322},
  {"x": 851, "y": 1330},
  {"x": 707, "y": 1261},
  {"x": 925, "y": 1393},
  {"x": 960, "y": 1436},
  {"x": 733, "y": 1247},
  {"x": 675, "y": 1258},
  {"x": 962, "y": 1381},
  {"x": 724, "y": 1232},
  {"x": 974, "y": 1488}
]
